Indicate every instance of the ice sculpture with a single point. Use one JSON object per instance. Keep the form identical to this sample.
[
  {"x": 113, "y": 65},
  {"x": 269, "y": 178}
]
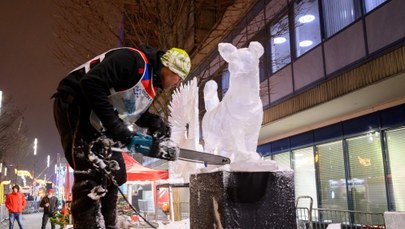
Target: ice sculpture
[
  {"x": 210, "y": 95},
  {"x": 185, "y": 127},
  {"x": 231, "y": 127}
]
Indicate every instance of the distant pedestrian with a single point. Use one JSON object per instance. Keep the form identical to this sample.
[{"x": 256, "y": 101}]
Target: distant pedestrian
[
  {"x": 50, "y": 204},
  {"x": 15, "y": 203}
]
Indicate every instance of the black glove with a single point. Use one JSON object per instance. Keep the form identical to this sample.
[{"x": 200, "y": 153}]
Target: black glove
[
  {"x": 164, "y": 148},
  {"x": 120, "y": 132},
  {"x": 156, "y": 127}
]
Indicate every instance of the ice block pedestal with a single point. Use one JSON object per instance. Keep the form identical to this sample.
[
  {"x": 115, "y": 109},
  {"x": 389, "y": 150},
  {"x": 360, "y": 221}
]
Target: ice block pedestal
[{"x": 242, "y": 200}]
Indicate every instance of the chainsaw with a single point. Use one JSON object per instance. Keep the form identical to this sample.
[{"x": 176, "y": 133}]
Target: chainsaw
[{"x": 143, "y": 145}]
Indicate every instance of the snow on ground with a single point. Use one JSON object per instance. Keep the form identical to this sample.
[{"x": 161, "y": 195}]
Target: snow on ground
[{"x": 183, "y": 224}]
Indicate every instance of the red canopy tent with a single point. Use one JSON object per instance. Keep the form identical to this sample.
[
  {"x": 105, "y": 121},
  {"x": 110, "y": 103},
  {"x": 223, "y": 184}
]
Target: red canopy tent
[{"x": 137, "y": 172}]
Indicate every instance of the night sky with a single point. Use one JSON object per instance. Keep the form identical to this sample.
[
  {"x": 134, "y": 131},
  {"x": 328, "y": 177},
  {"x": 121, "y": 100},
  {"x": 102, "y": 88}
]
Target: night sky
[{"x": 28, "y": 70}]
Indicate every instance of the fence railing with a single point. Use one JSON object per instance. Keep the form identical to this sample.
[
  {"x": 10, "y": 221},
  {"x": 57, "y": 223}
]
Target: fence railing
[
  {"x": 31, "y": 207},
  {"x": 3, "y": 212},
  {"x": 320, "y": 218}
]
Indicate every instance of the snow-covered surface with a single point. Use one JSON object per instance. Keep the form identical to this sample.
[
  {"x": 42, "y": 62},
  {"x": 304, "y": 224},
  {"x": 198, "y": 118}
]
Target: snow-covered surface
[
  {"x": 124, "y": 222},
  {"x": 183, "y": 224},
  {"x": 334, "y": 226},
  {"x": 394, "y": 220}
]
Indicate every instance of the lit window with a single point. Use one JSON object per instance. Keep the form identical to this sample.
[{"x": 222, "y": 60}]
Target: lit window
[
  {"x": 283, "y": 160},
  {"x": 225, "y": 82},
  {"x": 339, "y": 14},
  {"x": 369, "y": 5},
  {"x": 307, "y": 30},
  {"x": 396, "y": 146},
  {"x": 304, "y": 174},
  {"x": 366, "y": 181},
  {"x": 332, "y": 180},
  {"x": 280, "y": 45}
]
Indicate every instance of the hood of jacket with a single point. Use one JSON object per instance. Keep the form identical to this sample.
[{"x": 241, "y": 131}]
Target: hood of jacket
[{"x": 154, "y": 55}]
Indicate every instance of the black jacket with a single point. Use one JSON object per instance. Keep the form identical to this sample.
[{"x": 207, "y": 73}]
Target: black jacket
[
  {"x": 120, "y": 69},
  {"x": 53, "y": 204}
]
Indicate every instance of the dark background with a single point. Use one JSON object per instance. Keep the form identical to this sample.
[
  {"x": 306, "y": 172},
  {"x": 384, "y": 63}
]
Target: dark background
[{"x": 29, "y": 72}]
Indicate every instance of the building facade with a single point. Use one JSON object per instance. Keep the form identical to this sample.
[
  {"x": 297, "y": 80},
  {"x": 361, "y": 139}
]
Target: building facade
[{"x": 332, "y": 87}]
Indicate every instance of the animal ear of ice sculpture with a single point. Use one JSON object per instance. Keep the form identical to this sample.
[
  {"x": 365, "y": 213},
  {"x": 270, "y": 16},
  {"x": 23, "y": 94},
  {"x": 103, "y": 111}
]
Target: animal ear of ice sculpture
[
  {"x": 231, "y": 127},
  {"x": 185, "y": 129}
]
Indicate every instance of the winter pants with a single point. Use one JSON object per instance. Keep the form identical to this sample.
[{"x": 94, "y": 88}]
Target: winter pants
[
  {"x": 45, "y": 221},
  {"x": 74, "y": 129}
]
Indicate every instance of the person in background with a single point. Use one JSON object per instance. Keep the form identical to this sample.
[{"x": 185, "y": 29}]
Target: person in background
[
  {"x": 102, "y": 98},
  {"x": 50, "y": 204},
  {"x": 136, "y": 196},
  {"x": 15, "y": 203}
]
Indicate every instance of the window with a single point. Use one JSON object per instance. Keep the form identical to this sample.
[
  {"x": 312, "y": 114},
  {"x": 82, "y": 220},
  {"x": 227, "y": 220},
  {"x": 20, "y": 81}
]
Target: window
[
  {"x": 396, "y": 146},
  {"x": 283, "y": 160},
  {"x": 307, "y": 29},
  {"x": 367, "y": 182},
  {"x": 304, "y": 174},
  {"x": 265, "y": 93},
  {"x": 280, "y": 44},
  {"x": 369, "y": 5},
  {"x": 225, "y": 82},
  {"x": 339, "y": 14},
  {"x": 332, "y": 177}
]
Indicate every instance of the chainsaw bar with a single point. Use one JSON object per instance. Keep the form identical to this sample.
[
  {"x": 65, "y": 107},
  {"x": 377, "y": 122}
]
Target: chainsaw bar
[
  {"x": 194, "y": 156},
  {"x": 201, "y": 157}
]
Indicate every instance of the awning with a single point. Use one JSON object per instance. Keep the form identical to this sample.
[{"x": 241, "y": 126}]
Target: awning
[{"x": 137, "y": 172}]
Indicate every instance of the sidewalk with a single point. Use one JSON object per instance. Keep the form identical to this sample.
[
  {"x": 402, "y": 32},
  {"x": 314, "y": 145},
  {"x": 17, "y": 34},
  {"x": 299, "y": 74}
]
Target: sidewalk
[{"x": 30, "y": 221}]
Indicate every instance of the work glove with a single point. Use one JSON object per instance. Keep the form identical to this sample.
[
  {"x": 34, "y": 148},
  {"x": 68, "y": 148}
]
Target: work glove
[{"x": 155, "y": 125}]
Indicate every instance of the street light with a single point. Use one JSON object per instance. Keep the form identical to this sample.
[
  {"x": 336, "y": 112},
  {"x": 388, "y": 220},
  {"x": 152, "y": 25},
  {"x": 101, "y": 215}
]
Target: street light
[
  {"x": 35, "y": 146},
  {"x": 1, "y": 99},
  {"x": 47, "y": 161}
]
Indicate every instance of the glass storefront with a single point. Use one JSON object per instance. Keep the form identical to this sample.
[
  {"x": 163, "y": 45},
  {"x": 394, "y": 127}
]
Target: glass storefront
[
  {"x": 396, "y": 158},
  {"x": 283, "y": 160},
  {"x": 357, "y": 164},
  {"x": 332, "y": 179},
  {"x": 304, "y": 174},
  {"x": 366, "y": 181}
]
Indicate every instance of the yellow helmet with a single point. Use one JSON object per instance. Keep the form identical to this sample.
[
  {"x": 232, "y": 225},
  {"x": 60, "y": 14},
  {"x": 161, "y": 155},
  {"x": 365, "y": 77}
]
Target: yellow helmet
[{"x": 178, "y": 61}]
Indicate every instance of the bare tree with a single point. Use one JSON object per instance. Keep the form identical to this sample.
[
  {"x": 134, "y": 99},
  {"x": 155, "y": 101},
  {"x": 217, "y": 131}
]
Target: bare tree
[
  {"x": 88, "y": 28},
  {"x": 13, "y": 142}
]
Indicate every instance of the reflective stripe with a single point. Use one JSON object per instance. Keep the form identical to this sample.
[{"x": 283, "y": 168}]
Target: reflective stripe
[{"x": 89, "y": 64}]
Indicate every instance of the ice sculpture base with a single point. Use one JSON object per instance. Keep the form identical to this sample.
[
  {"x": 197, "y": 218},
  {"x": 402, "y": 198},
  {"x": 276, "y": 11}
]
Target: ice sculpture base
[{"x": 242, "y": 200}]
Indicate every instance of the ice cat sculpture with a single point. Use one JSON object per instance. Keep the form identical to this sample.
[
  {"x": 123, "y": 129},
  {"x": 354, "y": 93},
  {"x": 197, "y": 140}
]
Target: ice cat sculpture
[{"x": 231, "y": 127}]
